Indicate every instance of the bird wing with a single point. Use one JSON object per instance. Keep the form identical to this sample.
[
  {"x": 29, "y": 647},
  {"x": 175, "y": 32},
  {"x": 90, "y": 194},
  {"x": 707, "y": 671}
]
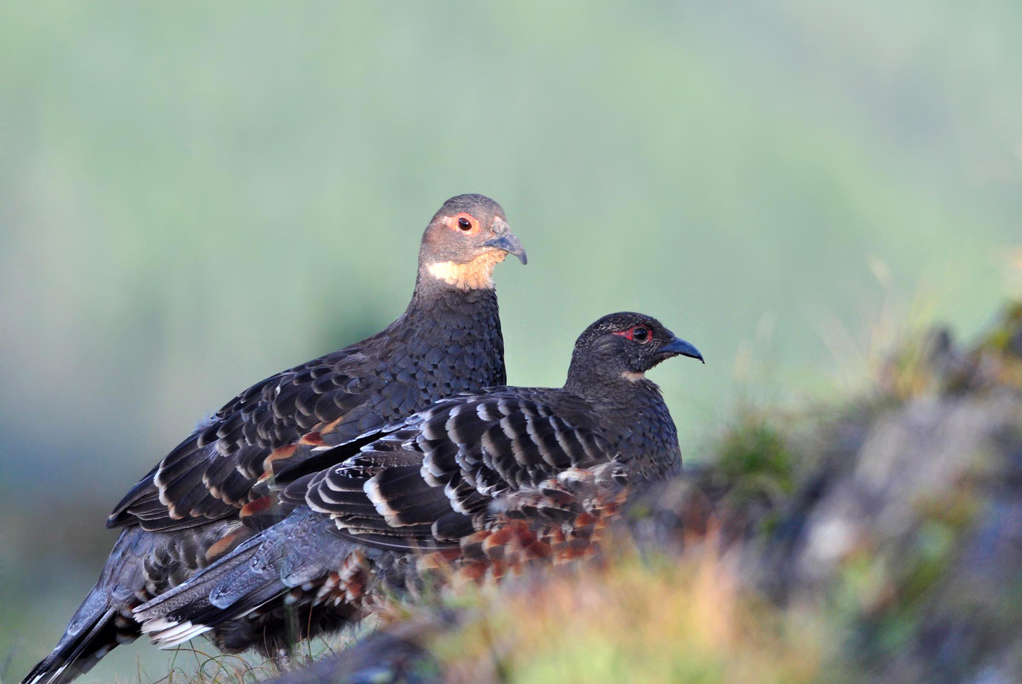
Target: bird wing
[
  {"x": 223, "y": 465},
  {"x": 439, "y": 475}
]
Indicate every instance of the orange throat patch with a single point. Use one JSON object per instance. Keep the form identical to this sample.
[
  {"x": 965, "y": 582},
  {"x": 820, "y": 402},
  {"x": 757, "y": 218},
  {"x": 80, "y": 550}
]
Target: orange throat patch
[{"x": 475, "y": 275}]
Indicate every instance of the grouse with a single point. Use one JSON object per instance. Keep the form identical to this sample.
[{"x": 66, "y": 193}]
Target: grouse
[
  {"x": 474, "y": 487},
  {"x": 213, "y": 490}
]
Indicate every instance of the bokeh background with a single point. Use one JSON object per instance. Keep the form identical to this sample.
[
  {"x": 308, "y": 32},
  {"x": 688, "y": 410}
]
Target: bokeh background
[{"x": 196, "y": 195}]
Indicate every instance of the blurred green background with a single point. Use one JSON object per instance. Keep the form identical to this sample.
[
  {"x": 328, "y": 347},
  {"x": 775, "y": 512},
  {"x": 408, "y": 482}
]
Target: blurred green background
[{"x": 196, "y": 195}]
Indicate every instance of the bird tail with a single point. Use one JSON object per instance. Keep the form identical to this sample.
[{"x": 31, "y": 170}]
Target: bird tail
[
  {"x": 103, "y": 621},
  {"x": 91, "y": 634},
  {"x": 294, "y": 552},
  {"x": 224, "y": 591}
]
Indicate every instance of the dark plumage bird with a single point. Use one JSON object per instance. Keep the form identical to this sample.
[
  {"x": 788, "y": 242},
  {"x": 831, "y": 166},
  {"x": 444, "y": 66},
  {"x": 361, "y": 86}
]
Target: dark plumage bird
[
  {"x": 478, "y": 485},
  {"x": 212, "y": 491}
]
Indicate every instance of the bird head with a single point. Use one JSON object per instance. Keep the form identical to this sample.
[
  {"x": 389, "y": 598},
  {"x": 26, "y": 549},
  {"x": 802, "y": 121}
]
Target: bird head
[
  {"x": 465, "y": 240},
  {"x": 625, "y": 345}
]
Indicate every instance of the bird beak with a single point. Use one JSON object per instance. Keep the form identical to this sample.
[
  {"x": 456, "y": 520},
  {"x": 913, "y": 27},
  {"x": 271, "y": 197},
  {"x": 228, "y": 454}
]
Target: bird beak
[
  {"x": 679, "y": 347},
  {"x": 508, "y": 242}
]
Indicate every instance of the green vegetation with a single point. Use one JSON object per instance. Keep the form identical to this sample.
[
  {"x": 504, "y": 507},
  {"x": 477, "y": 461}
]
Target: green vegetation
[{"x": 636, "y": 622}]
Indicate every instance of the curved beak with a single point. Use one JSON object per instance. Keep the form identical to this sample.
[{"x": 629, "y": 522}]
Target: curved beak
[
  {"x": 679, "y": 347},
  {"x": 508, "y": 242}
]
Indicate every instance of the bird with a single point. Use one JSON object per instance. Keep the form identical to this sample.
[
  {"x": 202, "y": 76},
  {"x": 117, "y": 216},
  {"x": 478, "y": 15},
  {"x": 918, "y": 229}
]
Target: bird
[
  {"x": 473, "y": 488},
  {"x": 212, "y": 491}
]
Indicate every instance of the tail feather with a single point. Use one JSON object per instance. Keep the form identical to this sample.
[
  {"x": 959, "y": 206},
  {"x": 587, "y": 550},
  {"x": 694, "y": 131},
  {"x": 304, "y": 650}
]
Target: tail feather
[
  {"x": 231, "y": 588},
  {"x": 103, "y": 621},
  {"x": 176, "y": 629},
  {"x": 295, "y": 555},
  {"x": 96, "y": 628},
  {"x": 140, "y": 563}
]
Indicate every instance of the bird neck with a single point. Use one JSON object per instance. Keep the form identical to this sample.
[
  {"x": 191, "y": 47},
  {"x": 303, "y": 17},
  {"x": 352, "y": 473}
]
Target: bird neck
[
  {"x": 459, "y": 321},
  {"x": 433, "y": 294}
]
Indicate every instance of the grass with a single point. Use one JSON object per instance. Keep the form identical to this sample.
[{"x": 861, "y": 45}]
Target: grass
[{"x": 632, "y": 620}]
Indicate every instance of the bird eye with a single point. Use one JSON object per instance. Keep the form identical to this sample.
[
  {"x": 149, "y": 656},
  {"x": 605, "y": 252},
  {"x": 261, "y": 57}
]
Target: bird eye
[
  {"x": 463, "y": 221},
  {"x": 639, "y": 333}
]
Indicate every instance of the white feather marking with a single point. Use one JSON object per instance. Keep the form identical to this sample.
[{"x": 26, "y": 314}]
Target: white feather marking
[
  {"x": 431, "y": 431},
  {"x": 52, "y": 677},
  {"x": 372, "y": 490},
  {"x": 426, "y": 473},
  {"x": 530, "y": 428},
  {"x": 452, "y": 495},
  {"x": 559, "y": 435},
  {"x": 483, "y": 412},
  {"x": 509, "y": 432},
  {"x": 196, "y": 630},
  {"x": 326, "y": 499},
  {"x": 574, "y": 475},
  {"x": 339, "y": 470},
  {"x": 157, "y": 625},
  {"x": 167, "y": 633},
  {"x": 449, "y": 428},
  {"x": 528, "y": 408}
]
